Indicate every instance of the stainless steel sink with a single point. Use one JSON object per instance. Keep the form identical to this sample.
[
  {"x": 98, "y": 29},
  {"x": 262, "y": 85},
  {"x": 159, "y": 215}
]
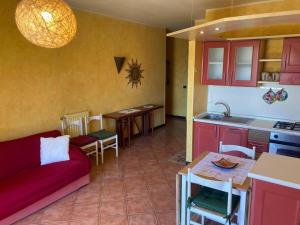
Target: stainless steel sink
[
  {"x": 232, "y": 119},
  {"x": 212, "y": 116}
]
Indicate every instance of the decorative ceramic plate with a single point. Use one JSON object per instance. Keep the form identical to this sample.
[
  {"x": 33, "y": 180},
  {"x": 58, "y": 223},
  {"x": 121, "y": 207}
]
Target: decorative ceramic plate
[
  {"x": 281, "y": 95},
  {"x": 269, "y": 97},
  {"x": 224, "y": 163}
]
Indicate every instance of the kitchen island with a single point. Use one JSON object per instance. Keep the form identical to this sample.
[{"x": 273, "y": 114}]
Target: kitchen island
[{"x": 275, "y": 197}]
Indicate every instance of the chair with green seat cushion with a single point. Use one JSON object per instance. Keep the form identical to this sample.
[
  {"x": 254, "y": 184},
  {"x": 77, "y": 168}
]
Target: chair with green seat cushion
[
  {"x": 106, "y": 139},
  {"x": 102, "y": 134},
  {"x": 214, "y": 201}
]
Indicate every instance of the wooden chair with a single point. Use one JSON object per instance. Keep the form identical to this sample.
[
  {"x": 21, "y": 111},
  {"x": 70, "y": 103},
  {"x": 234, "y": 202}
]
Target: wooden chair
[
  {"x": 105, "y": 138},
  {"x": 214, "y": 201},
  {"x": 230, "y": 148},
  {"x": 78, "y": 138}
]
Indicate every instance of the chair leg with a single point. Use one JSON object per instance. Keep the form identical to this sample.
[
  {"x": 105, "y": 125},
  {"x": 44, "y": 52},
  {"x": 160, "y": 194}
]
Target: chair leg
[
  {"x": 97, "y": 155},
  {"x": 202, "y": 220},
  {"x": 188, "y": 216},
  {"x": 102, "y": 152},
  {"x": 117, "y": 147}
]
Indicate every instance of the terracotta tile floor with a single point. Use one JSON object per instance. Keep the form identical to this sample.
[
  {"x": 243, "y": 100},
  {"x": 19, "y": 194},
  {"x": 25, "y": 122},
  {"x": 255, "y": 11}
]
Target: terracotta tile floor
[{"x": 138, "y": 188}]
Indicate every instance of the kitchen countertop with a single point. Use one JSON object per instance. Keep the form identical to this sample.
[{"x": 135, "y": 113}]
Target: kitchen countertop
[
  {"x": 253, "y": 123},
  {"x": 277, "y": 169}
]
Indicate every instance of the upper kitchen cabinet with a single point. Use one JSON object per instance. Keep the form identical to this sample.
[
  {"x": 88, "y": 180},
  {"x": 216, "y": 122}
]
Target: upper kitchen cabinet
[
  {"x": 215, "y": 63},
  {"x": 230, "y": 63},
  {"x": 243, "y": 63},
  {"x": 290, "y": 71}
]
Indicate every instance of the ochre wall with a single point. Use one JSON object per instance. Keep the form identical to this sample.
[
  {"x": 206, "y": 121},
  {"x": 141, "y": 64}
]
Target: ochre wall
[
  {"x": 176, "y": 95},
  {"x": 39, "y": 85},
  {"x": 197, "y": 93},
  {"x": 249, "y": 9}
]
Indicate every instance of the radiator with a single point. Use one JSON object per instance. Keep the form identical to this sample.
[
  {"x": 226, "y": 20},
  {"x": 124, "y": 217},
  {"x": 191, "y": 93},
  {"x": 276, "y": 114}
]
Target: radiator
[{"x": 73, "y": 130}]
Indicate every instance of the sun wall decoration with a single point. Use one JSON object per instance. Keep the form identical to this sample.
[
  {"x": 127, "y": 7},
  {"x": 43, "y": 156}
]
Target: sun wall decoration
[{"x": 134, "y": 73}]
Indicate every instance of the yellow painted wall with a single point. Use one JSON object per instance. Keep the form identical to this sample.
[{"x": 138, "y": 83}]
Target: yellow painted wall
[
  {"x": 248, "y": 9},
  {"x": 197, "y": 93},
  {"x": 39, "y": 85},
  {"x": 177, "y": 72}
]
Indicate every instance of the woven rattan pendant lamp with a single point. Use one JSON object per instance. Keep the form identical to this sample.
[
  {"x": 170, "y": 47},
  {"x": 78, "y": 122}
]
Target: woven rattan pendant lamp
[{"x": 46, "y": 23}]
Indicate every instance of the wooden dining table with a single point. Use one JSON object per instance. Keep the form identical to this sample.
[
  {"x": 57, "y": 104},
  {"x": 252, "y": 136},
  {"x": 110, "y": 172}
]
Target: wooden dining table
[
  {"x": 125, "y": 120},
  {"x": 181, "y": 192}
]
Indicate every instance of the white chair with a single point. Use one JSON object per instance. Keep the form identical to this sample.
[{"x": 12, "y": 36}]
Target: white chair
[
  {"x": 105, "y": 138},
  {"x": 230, "y": 148},
  {"x": 88, "y": 144},
  {"x": 214, "y": 201}
]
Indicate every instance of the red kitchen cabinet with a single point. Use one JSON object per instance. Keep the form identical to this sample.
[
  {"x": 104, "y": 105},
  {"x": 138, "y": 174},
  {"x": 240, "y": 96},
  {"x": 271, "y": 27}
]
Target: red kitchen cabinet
[
  {"x": 205, "y": 138},
  {"x": 243, "y": 63},
  {"x": 230, "y": 63},
  {"x": 290, "y": 68},
  {"x": 260, "y": 147},
  {"x": 274, "y": 204},
  {"x": 233, "y": 136},
  {"x": 215, "y": 63}
]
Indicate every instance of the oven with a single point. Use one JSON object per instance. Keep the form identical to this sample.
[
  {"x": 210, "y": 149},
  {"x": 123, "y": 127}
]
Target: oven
[{"x": 284, "y": 144}]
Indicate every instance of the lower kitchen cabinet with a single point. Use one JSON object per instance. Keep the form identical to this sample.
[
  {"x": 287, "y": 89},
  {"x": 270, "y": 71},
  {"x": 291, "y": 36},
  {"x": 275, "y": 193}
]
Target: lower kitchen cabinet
[
  {"x": 234, "y": 136},
  {"x": 273, "y": 204},
  {"x": 259, "y": 146},
  {"x": 208, "y": 136},
  {"x": 205, "y": 138}
]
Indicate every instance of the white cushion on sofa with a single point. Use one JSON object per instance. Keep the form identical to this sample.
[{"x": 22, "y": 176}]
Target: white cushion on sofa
[{"x": 54, "y": 149}]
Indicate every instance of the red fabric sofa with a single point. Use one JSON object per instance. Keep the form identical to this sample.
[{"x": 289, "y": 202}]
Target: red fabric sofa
[{"x": 26, "y": 186}]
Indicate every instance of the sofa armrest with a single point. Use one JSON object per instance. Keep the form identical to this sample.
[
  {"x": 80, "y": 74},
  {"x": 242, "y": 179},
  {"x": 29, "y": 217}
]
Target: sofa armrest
[{"x": 77, "y": 154}]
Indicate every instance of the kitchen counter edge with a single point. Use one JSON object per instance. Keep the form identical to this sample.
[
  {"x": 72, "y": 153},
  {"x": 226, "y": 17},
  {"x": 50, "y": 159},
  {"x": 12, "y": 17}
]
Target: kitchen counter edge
[
  {"x": 265, "y": 170},
  {"x": 255, "y": 124}
]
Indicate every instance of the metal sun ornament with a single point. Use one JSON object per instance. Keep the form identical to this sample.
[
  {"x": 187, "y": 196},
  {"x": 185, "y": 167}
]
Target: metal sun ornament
[
  {"x": 46, "y": 23},
  {"x": 134, "y": 73}
]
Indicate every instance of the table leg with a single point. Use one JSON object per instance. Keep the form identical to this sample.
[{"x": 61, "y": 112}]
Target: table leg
[
  {"x": 129, "y": 129},
  {"x": 119, "y": 131},
  {"x": 123, "y": 133},
  {"x": 146, "y": 123},
  {"x": 242, "y": 208},
  {"x": 151, "y": 122},
  {"x": 183, "y": 200}
]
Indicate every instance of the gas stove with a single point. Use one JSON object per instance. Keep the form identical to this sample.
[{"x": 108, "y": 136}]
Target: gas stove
[
  {"x": 283, "y": 143},
  {"x": 287, "y": 126}
]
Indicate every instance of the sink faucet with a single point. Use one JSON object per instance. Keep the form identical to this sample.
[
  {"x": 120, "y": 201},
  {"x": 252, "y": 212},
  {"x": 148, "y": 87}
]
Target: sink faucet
[{"x": 227, "y": 113}]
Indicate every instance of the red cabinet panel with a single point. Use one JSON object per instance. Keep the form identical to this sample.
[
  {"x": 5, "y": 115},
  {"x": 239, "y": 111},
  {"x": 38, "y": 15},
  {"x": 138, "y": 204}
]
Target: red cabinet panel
[
  {"x": 291, "y": 55},
  {"x": 205, "y": 138},
  {"x": 290, "y": 78},
  {"x": 290, "y": 67},
  {"x": 259, "y": 146},
  {"x": 274, "y": 204},
  {"x": 234, "y": 136},
  {"x": 244, "y": 60},
  {"x": 215, "y": 63}
]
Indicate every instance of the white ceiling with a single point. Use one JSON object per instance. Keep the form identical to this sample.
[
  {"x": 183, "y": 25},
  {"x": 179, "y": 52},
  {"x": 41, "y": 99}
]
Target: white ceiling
[{"x": 170, "y": 14}]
